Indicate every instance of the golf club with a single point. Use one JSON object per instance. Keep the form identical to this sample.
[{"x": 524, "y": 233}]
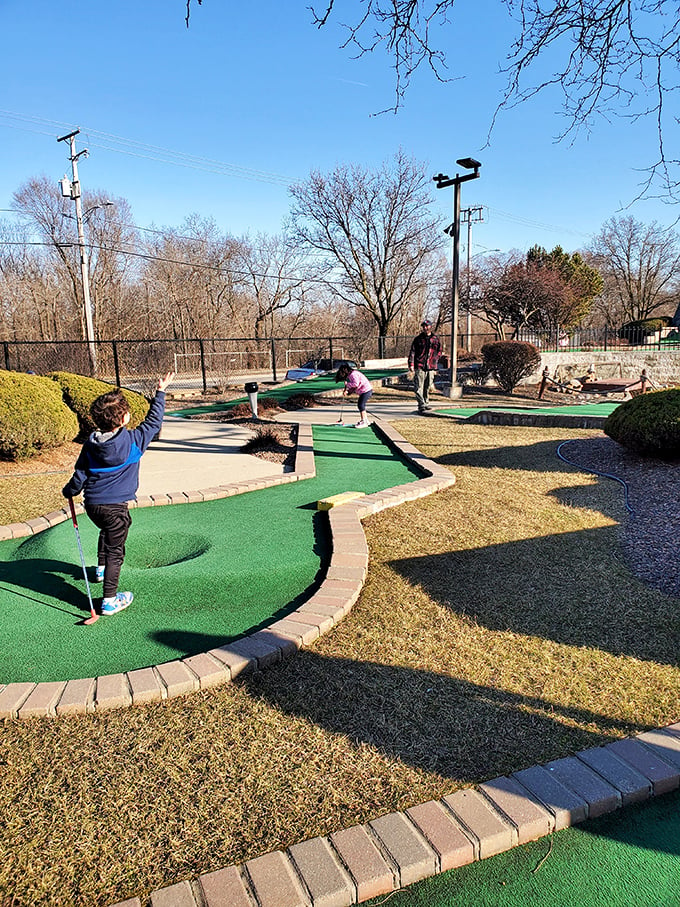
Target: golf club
[
  {"x": 342, "y": 406},
  {"x": 93, "y": 614}
]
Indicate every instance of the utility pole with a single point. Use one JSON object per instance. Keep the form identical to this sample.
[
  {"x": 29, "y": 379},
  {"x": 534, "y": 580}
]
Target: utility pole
[
  {"x": 71, "y": 189},
  {"x": 470, "y": 215}
]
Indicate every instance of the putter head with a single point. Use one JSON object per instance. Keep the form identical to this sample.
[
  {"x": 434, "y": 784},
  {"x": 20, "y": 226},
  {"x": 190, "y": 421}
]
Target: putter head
[{"x": 91, "y": 620}]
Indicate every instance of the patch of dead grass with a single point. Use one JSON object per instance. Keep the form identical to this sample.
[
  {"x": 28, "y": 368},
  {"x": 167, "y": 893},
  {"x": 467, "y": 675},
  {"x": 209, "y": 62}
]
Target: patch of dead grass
[{"x": 498, "y": 628}]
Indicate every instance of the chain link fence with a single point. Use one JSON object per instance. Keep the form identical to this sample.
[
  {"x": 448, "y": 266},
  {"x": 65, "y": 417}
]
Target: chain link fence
[
  {"x": 198, "y": 363},
  {"x": 221, "y": 362}
]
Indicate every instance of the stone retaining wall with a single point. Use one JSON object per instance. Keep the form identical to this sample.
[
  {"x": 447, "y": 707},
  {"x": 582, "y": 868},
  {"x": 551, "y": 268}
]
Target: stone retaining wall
[{"x": 663, "y": 366}]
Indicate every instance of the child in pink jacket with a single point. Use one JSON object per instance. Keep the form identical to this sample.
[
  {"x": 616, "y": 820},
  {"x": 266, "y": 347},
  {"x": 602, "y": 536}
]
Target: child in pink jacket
[{"x": 356, "y": 382}]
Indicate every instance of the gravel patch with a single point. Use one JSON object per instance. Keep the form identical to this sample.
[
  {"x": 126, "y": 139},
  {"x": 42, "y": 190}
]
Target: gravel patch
[{"x": 650, "y": 534}]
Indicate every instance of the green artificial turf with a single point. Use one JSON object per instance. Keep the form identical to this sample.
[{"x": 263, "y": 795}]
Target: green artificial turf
[
  {"x": 319, "y": 385},
  {"x": 201, "y": 573},
  {"x": 576, "y": 409},
  {"x": 629, "y": 857}
]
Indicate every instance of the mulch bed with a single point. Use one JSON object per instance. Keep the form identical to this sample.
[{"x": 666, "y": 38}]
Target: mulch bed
[{"x": 652, "y": 491}]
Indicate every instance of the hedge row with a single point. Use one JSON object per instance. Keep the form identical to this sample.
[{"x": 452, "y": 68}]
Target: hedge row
[{"x": 38, "y": 413}]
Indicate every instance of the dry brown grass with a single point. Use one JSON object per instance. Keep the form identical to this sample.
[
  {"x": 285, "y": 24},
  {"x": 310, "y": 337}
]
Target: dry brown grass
[
  {"x": 498, "y": 627},
  {"x": 31, "y": 488}
]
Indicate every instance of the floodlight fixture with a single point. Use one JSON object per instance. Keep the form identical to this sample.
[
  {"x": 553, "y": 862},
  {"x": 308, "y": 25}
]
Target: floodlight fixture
[{"x": 469, "y": 163}]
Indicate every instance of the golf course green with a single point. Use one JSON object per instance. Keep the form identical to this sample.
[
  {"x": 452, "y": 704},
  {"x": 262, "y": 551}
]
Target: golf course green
[{"x": 202, "y": 574}]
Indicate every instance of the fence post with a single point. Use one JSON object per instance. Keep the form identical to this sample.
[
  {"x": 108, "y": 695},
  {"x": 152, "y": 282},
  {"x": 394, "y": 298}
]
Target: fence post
[
  {"x": 203, "y": 375},
  {"x": 6, "y": 348},
  {"x": 273, "y": 357},
  {"x": 330, "y": 350},
  {"x": 606, "y": 331},
  {"x": 116, "y": 364}
]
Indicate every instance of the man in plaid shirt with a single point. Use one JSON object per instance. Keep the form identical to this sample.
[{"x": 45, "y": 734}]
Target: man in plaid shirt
[{"x": 422, "y": 361}]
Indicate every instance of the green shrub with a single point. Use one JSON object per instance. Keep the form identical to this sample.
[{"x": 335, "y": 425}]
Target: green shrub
[
  {"x": 80, "y": 392},
  {"x": 636, "y": 331},
  {"x": 648, "y": 424},
  {"x": 508, "y": 361},
  {"x": 33, "y": 416}
]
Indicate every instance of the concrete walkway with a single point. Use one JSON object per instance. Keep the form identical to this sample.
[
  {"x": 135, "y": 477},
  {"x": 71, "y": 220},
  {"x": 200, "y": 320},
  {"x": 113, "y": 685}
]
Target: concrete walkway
[{"x": 190, "y": 455}]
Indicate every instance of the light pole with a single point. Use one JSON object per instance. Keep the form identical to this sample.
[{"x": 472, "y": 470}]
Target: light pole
[{"x": 443, "y": 182}]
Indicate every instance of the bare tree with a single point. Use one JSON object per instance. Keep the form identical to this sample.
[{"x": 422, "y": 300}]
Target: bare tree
[
  {"x": 639, "y": 264},
  {"x": 274, "y": 275},
  {"x": 32, "y": 303},
  {"x": 372, "y": 232},
  {"x": 607, "y": 57},
  {"x": 191, "y": 280},
  {"x": 109, "y": 238}
]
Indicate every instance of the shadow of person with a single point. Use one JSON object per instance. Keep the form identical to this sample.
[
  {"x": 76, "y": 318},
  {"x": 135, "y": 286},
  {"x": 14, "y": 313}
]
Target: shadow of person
[{"x": 54, "y": 581}]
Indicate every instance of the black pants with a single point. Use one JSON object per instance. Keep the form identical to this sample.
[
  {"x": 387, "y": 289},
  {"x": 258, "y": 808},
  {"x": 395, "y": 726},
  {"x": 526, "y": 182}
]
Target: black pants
[{"x": 113, "y": 521}]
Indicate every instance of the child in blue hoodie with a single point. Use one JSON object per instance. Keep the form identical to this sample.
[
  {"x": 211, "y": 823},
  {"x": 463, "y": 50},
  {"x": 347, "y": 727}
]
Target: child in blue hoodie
[{"x": 107, "y": 472}]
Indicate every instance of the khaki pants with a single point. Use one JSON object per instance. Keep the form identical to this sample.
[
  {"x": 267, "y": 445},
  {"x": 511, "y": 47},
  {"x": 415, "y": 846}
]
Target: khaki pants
[{"x": 423, "y": 380}]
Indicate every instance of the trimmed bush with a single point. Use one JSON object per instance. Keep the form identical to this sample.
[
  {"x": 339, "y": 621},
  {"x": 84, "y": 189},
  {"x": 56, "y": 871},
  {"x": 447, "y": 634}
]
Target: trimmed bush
[
  {"x": 33, "y": 416},
  {"x": 648, "y": 424},
  {"x": 80, "y": 392},
  {"x": 509, "y": 361}
]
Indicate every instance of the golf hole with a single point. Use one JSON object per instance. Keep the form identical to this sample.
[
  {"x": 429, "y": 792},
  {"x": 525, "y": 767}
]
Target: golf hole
[{"x": 153, "y": 551}]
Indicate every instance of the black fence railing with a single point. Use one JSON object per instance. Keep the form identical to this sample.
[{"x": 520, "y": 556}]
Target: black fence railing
[{"x": 217, "y": 362}]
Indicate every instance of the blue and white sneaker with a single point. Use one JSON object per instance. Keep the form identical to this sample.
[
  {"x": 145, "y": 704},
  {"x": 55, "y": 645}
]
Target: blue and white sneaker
[
  {"x": 119, "y": 603},
  {"x": 99, "y": 574}
]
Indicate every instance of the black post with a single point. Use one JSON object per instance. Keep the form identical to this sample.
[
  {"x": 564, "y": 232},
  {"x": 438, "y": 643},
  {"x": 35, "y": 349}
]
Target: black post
[
  {"x": 203, "y": 375},
  {"x": 116, "y": 364},
  {"x": 6, "y": 348},
  {"x": 330, "y": 350},
  {"x": 606, "y": 330},
  {"x": 273, "y": 354}
]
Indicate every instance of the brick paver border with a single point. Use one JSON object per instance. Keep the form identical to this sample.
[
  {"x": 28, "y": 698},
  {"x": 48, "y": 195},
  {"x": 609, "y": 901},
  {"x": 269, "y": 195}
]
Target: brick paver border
[
  {"x": 392, "y": 851},
  {"x": 318, "y": 615},
  {"x": 542, "y": 420}
]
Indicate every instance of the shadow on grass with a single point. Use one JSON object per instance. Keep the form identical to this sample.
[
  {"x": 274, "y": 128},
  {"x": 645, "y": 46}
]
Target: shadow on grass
[
  {"x": 538, "y": 457},
  {"x": 45, "y": 577},
  {"x": 433, "y": 722},
  {"x": 558, "y": 587}
]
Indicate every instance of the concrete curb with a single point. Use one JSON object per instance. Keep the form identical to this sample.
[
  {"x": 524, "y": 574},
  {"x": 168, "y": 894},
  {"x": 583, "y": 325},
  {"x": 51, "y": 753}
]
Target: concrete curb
[
  {"x": 318, "y": 615},
  {"x": 398, "y": 849}
]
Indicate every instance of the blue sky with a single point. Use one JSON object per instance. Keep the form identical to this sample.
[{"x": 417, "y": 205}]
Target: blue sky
[{"x": 253, "y": 97}]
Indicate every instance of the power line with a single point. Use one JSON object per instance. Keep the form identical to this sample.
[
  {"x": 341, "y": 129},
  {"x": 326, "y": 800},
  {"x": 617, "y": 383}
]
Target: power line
[
  {"x": 166, "y": 260},
  {"x": 121, "y": 145},
  {"x": 524, "y": 221}
]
